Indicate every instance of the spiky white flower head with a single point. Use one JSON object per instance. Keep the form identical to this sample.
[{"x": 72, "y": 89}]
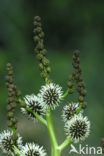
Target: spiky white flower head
[
  {"x": 31, "y": 149},
  {"x": 78, "y": 128},
  {"x": 51, "y": 95},
  {"x": 69, "y": 111},
  {"x": 7, "y": 144},
  {"x": 34, "y": 103}
]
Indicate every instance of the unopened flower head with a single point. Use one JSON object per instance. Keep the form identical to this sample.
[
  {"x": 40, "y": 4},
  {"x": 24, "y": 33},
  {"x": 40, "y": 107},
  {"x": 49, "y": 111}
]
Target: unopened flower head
[
  {"x": 78, "y": 128},
  {"x": 7, "y": 144},
  {"x": 69, "y": 111},
  {"x": 31, "y": 149},
  {"x": 51, "y": 95},
  {"x": 34, "y": 103}
]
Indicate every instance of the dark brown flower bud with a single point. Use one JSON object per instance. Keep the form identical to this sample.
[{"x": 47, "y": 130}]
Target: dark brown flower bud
[
  {"x": 39, "y": 57},
  {"x": 43, "y": 52},
  {"x": 37, "y": 18},
  {"x": 9, "y": 107},
  {"x": 83, "y": 92},
  {"x": 14, "y": 121},
  {"x": 81, "y": 98},
  {"x": 41, "y": 35},
  {"x": 71, "y": 91},
  {"x": 48, "y": 69},
  {"x": 75, "y": 65},
  {"x": 37, "y": 24},
  {"x": 10, "y": 114},
  {"x": 40, "y": 46},
  {"x": 37, "y": 30},
  {"x": 70, "y": 84},
  {"x": 43, "y": 75},
  {"x": 41, "y": 67},
  {"x": 45, "y": 62},
  {"x": 36, "y": 39},
  {"x": 84, "y": 105},
  {"x": 76, "y": 76},
  {"x": 77, "y": 53},
  {"x": 10, "y": 124},
  {"x": 10, "y": 72},
  {"x": 13, "y": 105}
]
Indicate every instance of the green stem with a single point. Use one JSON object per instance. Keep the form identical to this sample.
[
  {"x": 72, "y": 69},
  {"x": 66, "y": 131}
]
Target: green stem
[
  {"x": 14, "y": 130},
  {"x": 16, "y": 150},
  {"x": 51, "y": 128},
  {"x": 65, "y": 94},
  {"x": 55, "y": 151},
  {"x": 79, "y": 109},
  {"x": 65, "y": 144},
  {"x": 37, "y": 116}
]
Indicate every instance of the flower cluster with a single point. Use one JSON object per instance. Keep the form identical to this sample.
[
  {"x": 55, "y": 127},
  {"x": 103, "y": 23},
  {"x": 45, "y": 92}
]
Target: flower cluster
[
  {"x": 76, "y": 126},
  {"x": 40, "y": 50},
  {"x": 7, "y": 143},
  {"x": 34, "y": 103},
  {"x": 77, "y": 77},
  {"x": 49, "y": 97},
  {"x": 13, "y": 94},
  {"x": 7, "y": 146},
  {"x": 31, "y": 149},
  {"x": 69, "y": 111}
]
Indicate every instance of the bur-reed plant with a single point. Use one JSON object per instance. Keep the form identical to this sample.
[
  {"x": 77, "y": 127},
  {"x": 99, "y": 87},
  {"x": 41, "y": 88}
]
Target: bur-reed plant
[{"x": 40, "y": 106}]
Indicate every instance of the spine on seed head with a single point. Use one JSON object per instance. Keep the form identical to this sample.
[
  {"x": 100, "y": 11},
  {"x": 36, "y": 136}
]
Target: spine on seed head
[{"x": 40, "y": 50}]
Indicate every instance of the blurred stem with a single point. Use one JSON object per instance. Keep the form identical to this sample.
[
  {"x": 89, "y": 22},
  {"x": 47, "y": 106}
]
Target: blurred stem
[
  {"x": 79, "y": 109},
  {"x": 37, "y": 116},
  {"x": 16, "y": 150},
  {"x": 14, "y": 130},
  {"x": 65, "y": 94},
  {"x": 55, "y": 151},
  {"x": 65, "y": 144},
  {"x": 51, "y": 128}
]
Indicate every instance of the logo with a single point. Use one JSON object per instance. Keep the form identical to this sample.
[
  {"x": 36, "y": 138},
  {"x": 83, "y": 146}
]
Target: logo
[{"x": 86, "y": 150}]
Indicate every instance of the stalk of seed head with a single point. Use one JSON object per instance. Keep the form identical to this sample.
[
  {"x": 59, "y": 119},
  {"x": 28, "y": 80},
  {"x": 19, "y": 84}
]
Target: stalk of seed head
[
  {"x": 40, "y": 50},
  {"x": 13, "y": 95}
]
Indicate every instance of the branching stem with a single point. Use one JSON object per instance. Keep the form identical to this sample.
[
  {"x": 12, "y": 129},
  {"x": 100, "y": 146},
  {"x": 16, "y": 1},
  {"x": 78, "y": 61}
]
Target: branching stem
[
  {"x": 65, "y": 144},
  {"x": 37, "y": 116},
  {"x": 79, "y": 109},
  {"x": 65, "y": 94}
]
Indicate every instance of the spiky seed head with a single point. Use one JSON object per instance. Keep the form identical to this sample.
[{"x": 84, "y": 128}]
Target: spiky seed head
[
  {"x": 7, "y": 144},
  {"x": 35, "y": 104},
  {"x": 78, "y": 128},
  {"x": 69, "y": 111},
  {"x": 31, "y": 149},
  {"x": 51, "y": 95}
]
